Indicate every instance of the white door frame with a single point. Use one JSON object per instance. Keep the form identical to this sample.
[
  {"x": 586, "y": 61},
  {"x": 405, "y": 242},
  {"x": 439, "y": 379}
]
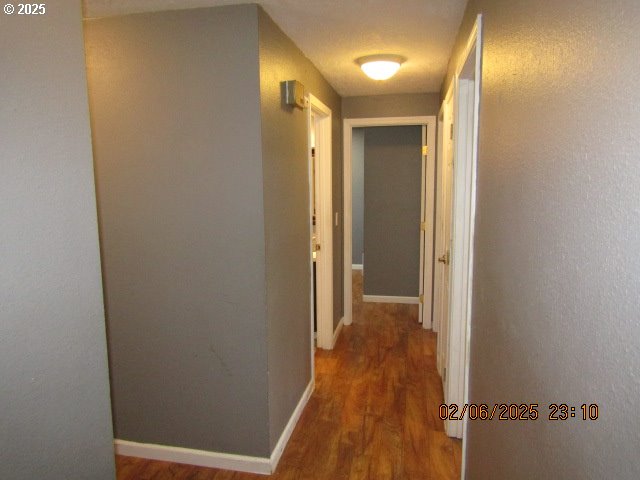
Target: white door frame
[
  {"x": 466, "y": 115},
  {"x": 439, "y": 206},
  {"x": 445, "y": 115},
  {"x": 426, "y": 266},
  {"x": 324, "y": 225}
]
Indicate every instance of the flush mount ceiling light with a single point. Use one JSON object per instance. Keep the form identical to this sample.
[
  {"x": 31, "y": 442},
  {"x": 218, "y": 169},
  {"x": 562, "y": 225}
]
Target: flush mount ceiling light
[{"x": 380, "y": 67}]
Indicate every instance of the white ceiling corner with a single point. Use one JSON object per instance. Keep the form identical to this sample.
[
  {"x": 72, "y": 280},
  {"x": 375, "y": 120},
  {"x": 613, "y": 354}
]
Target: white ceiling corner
[{"x": 333, "y": 33}]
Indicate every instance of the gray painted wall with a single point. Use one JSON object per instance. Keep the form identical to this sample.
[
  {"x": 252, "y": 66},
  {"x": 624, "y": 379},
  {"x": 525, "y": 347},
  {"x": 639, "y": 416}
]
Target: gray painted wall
[
  {"x": 286, "y": 210},
  {"x": 392, "y": 183},
  {"x": 357, "y": 192},
  {"x": 557, "y": 274},
  {"x": 175, "y": 107},
  {"x": 280, "y": 56},
  {"x": 402, "y": 105},
  {"x": 55, "y": 422}
]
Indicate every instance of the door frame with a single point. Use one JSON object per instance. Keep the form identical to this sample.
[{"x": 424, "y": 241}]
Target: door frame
[
  {"x": 324, "y": 208},
  {"x": 439, "y": 247},
  {"x": 466, "y": 108},
  {"x": 438, "y": 213},
  {"x": 428, "y": 184}
]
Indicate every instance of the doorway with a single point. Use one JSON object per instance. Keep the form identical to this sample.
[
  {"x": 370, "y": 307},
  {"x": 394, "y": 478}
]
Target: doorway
[
  {"x": 320, "y": 225},
  {"x": 444, "y": 172},
  {"x": 425, "y": 221},
  {"x": 457, "y": 167}
]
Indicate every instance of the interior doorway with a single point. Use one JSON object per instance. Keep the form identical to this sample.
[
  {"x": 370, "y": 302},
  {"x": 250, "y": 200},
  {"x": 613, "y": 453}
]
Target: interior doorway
[
  {"x": 442, "y": 266},
  {"x": 456, "y": 215},
  {"x": 424, "y": 224},
  {"x": 320, "y": 225}
]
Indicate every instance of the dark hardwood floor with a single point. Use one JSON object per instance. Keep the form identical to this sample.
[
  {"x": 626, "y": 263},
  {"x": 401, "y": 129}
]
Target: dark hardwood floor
[{"x": 373, "y": 414}]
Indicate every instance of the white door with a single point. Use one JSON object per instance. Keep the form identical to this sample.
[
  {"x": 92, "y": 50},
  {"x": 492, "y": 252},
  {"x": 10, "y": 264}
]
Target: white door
[
  {"x": 427, "y": 200},
  {"x": 443, "y": 253},
  {"x": 423, "y": 206},
  {"x": 319, "y": 119}
]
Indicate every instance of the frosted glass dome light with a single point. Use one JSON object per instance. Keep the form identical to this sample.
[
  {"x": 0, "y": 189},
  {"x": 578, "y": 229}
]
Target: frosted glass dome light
[{"x": 380, "y": 67}]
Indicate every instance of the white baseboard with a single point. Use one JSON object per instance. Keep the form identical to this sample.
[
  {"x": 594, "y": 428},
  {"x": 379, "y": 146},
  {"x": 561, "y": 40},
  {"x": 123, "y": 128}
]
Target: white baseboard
[
  {"x": 389, "y": 299},
  {"x": 356, "y": 266},
  {"x": 336, "y": 333},
  {"x": 224, "y": 461},
  {"x": 201, "y": 458},
  {"x": 291, "y": 424}
]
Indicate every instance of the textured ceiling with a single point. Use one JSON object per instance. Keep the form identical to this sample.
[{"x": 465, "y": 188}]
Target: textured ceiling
[{"x": 333, "y": 33}]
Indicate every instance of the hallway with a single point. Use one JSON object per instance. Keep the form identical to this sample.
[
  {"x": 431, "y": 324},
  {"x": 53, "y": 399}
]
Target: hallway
[{"x": 373, "y": 414}]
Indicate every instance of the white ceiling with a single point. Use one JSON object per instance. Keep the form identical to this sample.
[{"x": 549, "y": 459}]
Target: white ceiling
[{"x": 333, "y": 33}]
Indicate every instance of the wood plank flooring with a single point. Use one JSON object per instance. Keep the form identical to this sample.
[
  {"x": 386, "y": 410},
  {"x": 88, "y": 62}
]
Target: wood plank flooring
[{"x": 373, "y": 415}]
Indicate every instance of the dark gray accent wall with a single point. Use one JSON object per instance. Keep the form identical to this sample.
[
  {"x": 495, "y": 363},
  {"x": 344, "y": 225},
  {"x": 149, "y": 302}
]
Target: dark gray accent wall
[
  {"x": 400, "y": 105},
  {"x": 392, "y": 183},
  {"x": 357, "y": 193},
  {"x": 55, "y": 421},
  {"x": 556, "y": 273},
  {"x": 175, "y": 107},
  {"x": 286, "y": 217}
]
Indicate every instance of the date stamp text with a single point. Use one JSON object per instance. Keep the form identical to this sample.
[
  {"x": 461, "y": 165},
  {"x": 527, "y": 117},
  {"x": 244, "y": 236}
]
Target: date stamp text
[{"x": 518, "y": 411}]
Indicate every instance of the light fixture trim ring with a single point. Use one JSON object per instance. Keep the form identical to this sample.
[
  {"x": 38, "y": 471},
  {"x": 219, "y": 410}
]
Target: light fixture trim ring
[{"x": 381, "y": 57}]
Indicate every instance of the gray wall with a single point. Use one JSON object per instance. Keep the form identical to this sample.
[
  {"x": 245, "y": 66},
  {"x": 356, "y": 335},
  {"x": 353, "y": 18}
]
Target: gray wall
[
  {"x": 392, "y": 183},
  {"x": 557, "y": 273},
  {"x": 55, "y": 422},
  {"x": 357, "y": 192},
  {"x": 286, "y": 210},
  {"x": 280, "y": 56},
  {"x": 402, "y": 105},
  {"x": 175, "y": 106}
]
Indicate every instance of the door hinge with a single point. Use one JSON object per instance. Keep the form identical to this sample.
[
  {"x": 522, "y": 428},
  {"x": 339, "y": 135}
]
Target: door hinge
[
  {"x": 451, "y": 132},
  {"x": 421, "y": 299},
  {"x": 423, "y": 226},
  {"x": 425, "y": 149},
  {"x": 444, "y": 374},
  {"x": 446, "y": 258}
]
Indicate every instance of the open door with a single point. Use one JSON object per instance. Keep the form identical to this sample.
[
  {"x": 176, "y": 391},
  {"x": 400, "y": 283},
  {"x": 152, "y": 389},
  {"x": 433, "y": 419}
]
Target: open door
[
  {"x": 443, "y": 236},
  {"x": 425, "y": 290},
  {"x": 321, "y": 225},
  {"x": 427, "y": 202},
  {"x": 457, "y": 277}
]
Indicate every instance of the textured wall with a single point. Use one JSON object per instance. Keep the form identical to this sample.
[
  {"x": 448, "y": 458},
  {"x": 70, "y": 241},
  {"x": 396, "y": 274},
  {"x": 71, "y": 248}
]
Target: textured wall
[
  {"x": 403, "y": 105},
  {"x": 176, "y": 124},
  {"x": 286, "y": 204},
  {"x": 392, "y": 176},
  {"x": 335, "y": 32},
  {"x": 557, "y": 274},
  {"x": 357, "y": 192},
  {"x": 55, "y": 422}
]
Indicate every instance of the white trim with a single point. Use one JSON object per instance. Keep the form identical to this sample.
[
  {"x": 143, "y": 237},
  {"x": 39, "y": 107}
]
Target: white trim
[
  {"x": 466, "y": 116},
  {"x": 356, "y": 266},
  {"x": 312, "y": 292},
  {"x": 324, "y": 222},
  {"x": 444, "y": 189},
  {"x": 472, "y": 213},
  {"x": 423, "y": 186},
  {"x": 428, "y": 218},
  {"x": 224, "y": 461},
  {"x": 336, "y": 334},
  {"x": 291, "y": 425},
  {"x": 388, "y": 121},
  {"x": 390, "y": 299},
  {"x": 347, "y": 223},
  {"x": 438, "y": 241},
  {"x": 201, "y": 458},
  {"x": 348, "y": 125}
]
